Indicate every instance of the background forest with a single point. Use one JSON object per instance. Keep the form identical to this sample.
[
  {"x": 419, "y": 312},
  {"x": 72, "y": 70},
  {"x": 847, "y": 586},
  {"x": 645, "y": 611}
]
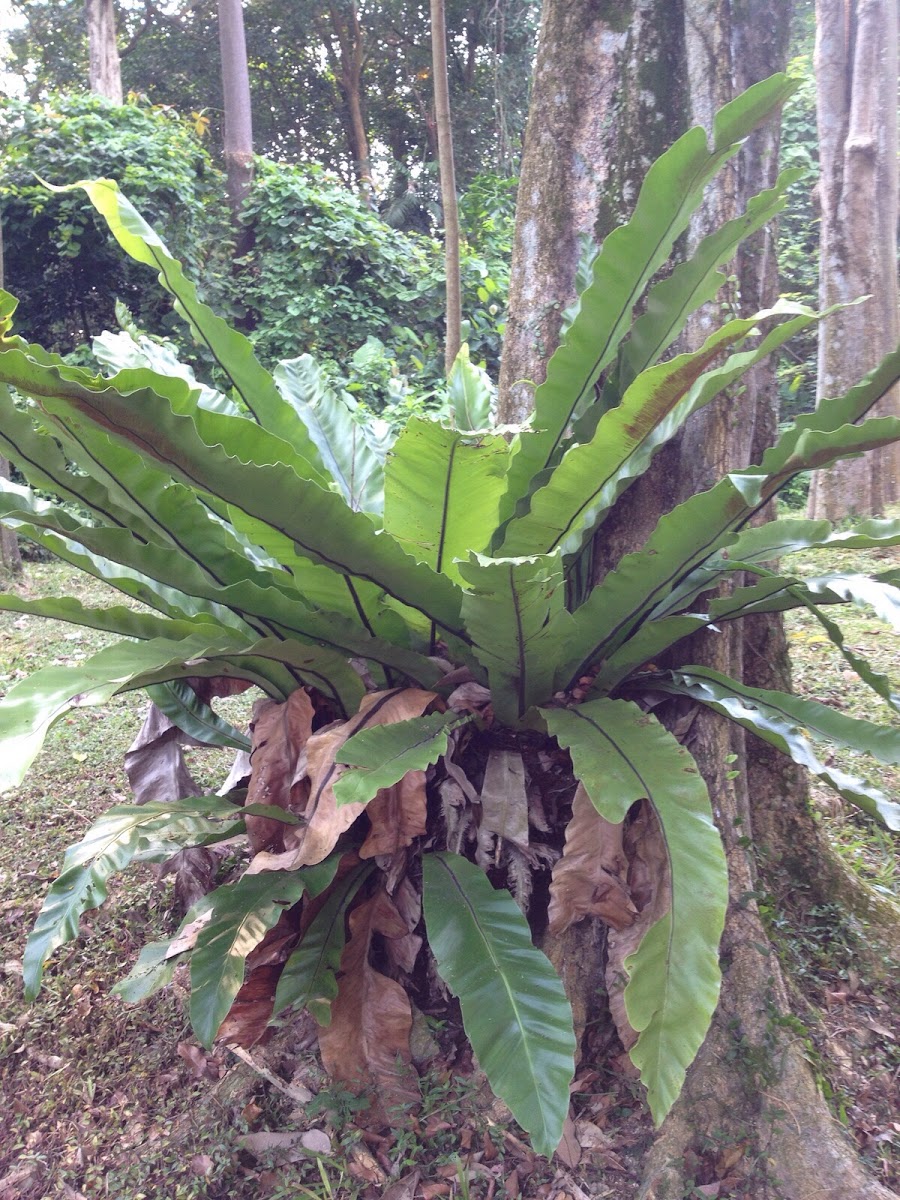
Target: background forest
[
  {"x": 316, "y": 211},
  {"x": 370, "y": 257}
]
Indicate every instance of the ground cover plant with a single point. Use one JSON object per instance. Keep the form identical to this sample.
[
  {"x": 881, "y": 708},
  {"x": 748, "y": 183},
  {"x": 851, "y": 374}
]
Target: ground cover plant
[{"x": 432, "y": 656}]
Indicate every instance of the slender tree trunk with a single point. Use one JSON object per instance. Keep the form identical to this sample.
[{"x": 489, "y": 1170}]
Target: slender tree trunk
[
  {"x": 236, "y": 92},
  {"x": 856, "y": 76},
  {"x": 10, "y": 555},
  {"x": 349, "y": 66},
  {"x": 105, "y": 75},
  {"x": 750, "y": 1099},
  {"x": 448, "y": 182}
]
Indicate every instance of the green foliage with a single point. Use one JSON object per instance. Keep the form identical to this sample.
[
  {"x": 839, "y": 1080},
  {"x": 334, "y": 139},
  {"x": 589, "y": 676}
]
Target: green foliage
[
  {"x": 622, "y": 755},
  {"x": 126, "y": 833},
  {"x": 401, "y": 594},
  {"x": 299, "y": 106},
  {"x": 382, "y": 755},
  {"x": 323, "y": 268},
  {"x": 514, "y": 1006},
  {"x": 59, "y": 258},
  {"x": 309, "y": 978}
]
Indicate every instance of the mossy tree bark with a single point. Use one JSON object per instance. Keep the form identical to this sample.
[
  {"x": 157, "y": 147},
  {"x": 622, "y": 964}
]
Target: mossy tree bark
[{"x": 750, "y": 1107}]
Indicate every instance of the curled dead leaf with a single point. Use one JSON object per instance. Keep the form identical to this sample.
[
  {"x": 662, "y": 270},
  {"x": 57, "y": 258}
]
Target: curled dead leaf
[
  {"x": 280, "y": 731},
  {"x": 649, "y": 884},
  {"x": 469, "y": 697},
  {"x": 367, "y": 1043},
  {"x": 313, "y": 841},
  {"x": 504, "y": 802},
  {"x": 202, "y": 1065},
  {"x": 154, "y": 762},
  {"x": 398, "y": 816},
  {"x": 590, "y": 878},
  {"x": 250, "y": 1013}
]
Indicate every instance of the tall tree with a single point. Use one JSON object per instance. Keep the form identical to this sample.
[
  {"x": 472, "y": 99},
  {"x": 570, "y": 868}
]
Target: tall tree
[
  {"x": 105, "y": 74},
  {"x": 856, "y": 74},
  {"x": 236, "y": 93},
  {"x": 344, "y": 40},
  {"x": 321, "y": 72},
  {"x": 447, "y": 169},
  {"x": 639, "y": 66}
]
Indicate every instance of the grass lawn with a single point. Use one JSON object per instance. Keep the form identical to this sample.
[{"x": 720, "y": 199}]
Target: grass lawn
[{"x": 103, "y": 1099}]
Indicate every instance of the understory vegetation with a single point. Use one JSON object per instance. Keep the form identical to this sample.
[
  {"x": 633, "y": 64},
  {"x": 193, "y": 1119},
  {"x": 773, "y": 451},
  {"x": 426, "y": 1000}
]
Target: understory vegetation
[{"x": 321, "y": 273}]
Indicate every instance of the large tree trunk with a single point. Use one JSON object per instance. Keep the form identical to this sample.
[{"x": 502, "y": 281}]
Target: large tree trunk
[
  {"x": 643, "y": 65},
  {"x": 105, "y": 76},
  {"x": 447, "y": 170},
  {"x": 236, "y": 93},
  {"x": 572, "y": 92},
  {"x": 856, "y": 76}
]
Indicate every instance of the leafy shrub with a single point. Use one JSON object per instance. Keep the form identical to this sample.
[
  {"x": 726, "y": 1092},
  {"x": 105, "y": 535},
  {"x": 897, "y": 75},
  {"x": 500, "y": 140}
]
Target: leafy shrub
[
  {"x": 402, "y": 604},
  {"x": 325, "y": 273},
  {"x": 59, "y": 257}
]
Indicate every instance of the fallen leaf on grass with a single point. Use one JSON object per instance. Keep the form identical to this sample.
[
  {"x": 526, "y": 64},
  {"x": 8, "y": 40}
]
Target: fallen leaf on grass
[
  {"x": 310, "y": 1141},
  {"x": 201, "y": 1064},
  {"x": 880, "y": 1029},
  {"x": 202, "y": 1164},
  {"x": 432, "y": 1190},
  {"x": 591, "y": 1136},
  {"x": 569, "y": 1151},
  {"x": 52, "y": 1062},
  {"x": 364, "y": 1167},
  {"x": 403, "y": 1189}
]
